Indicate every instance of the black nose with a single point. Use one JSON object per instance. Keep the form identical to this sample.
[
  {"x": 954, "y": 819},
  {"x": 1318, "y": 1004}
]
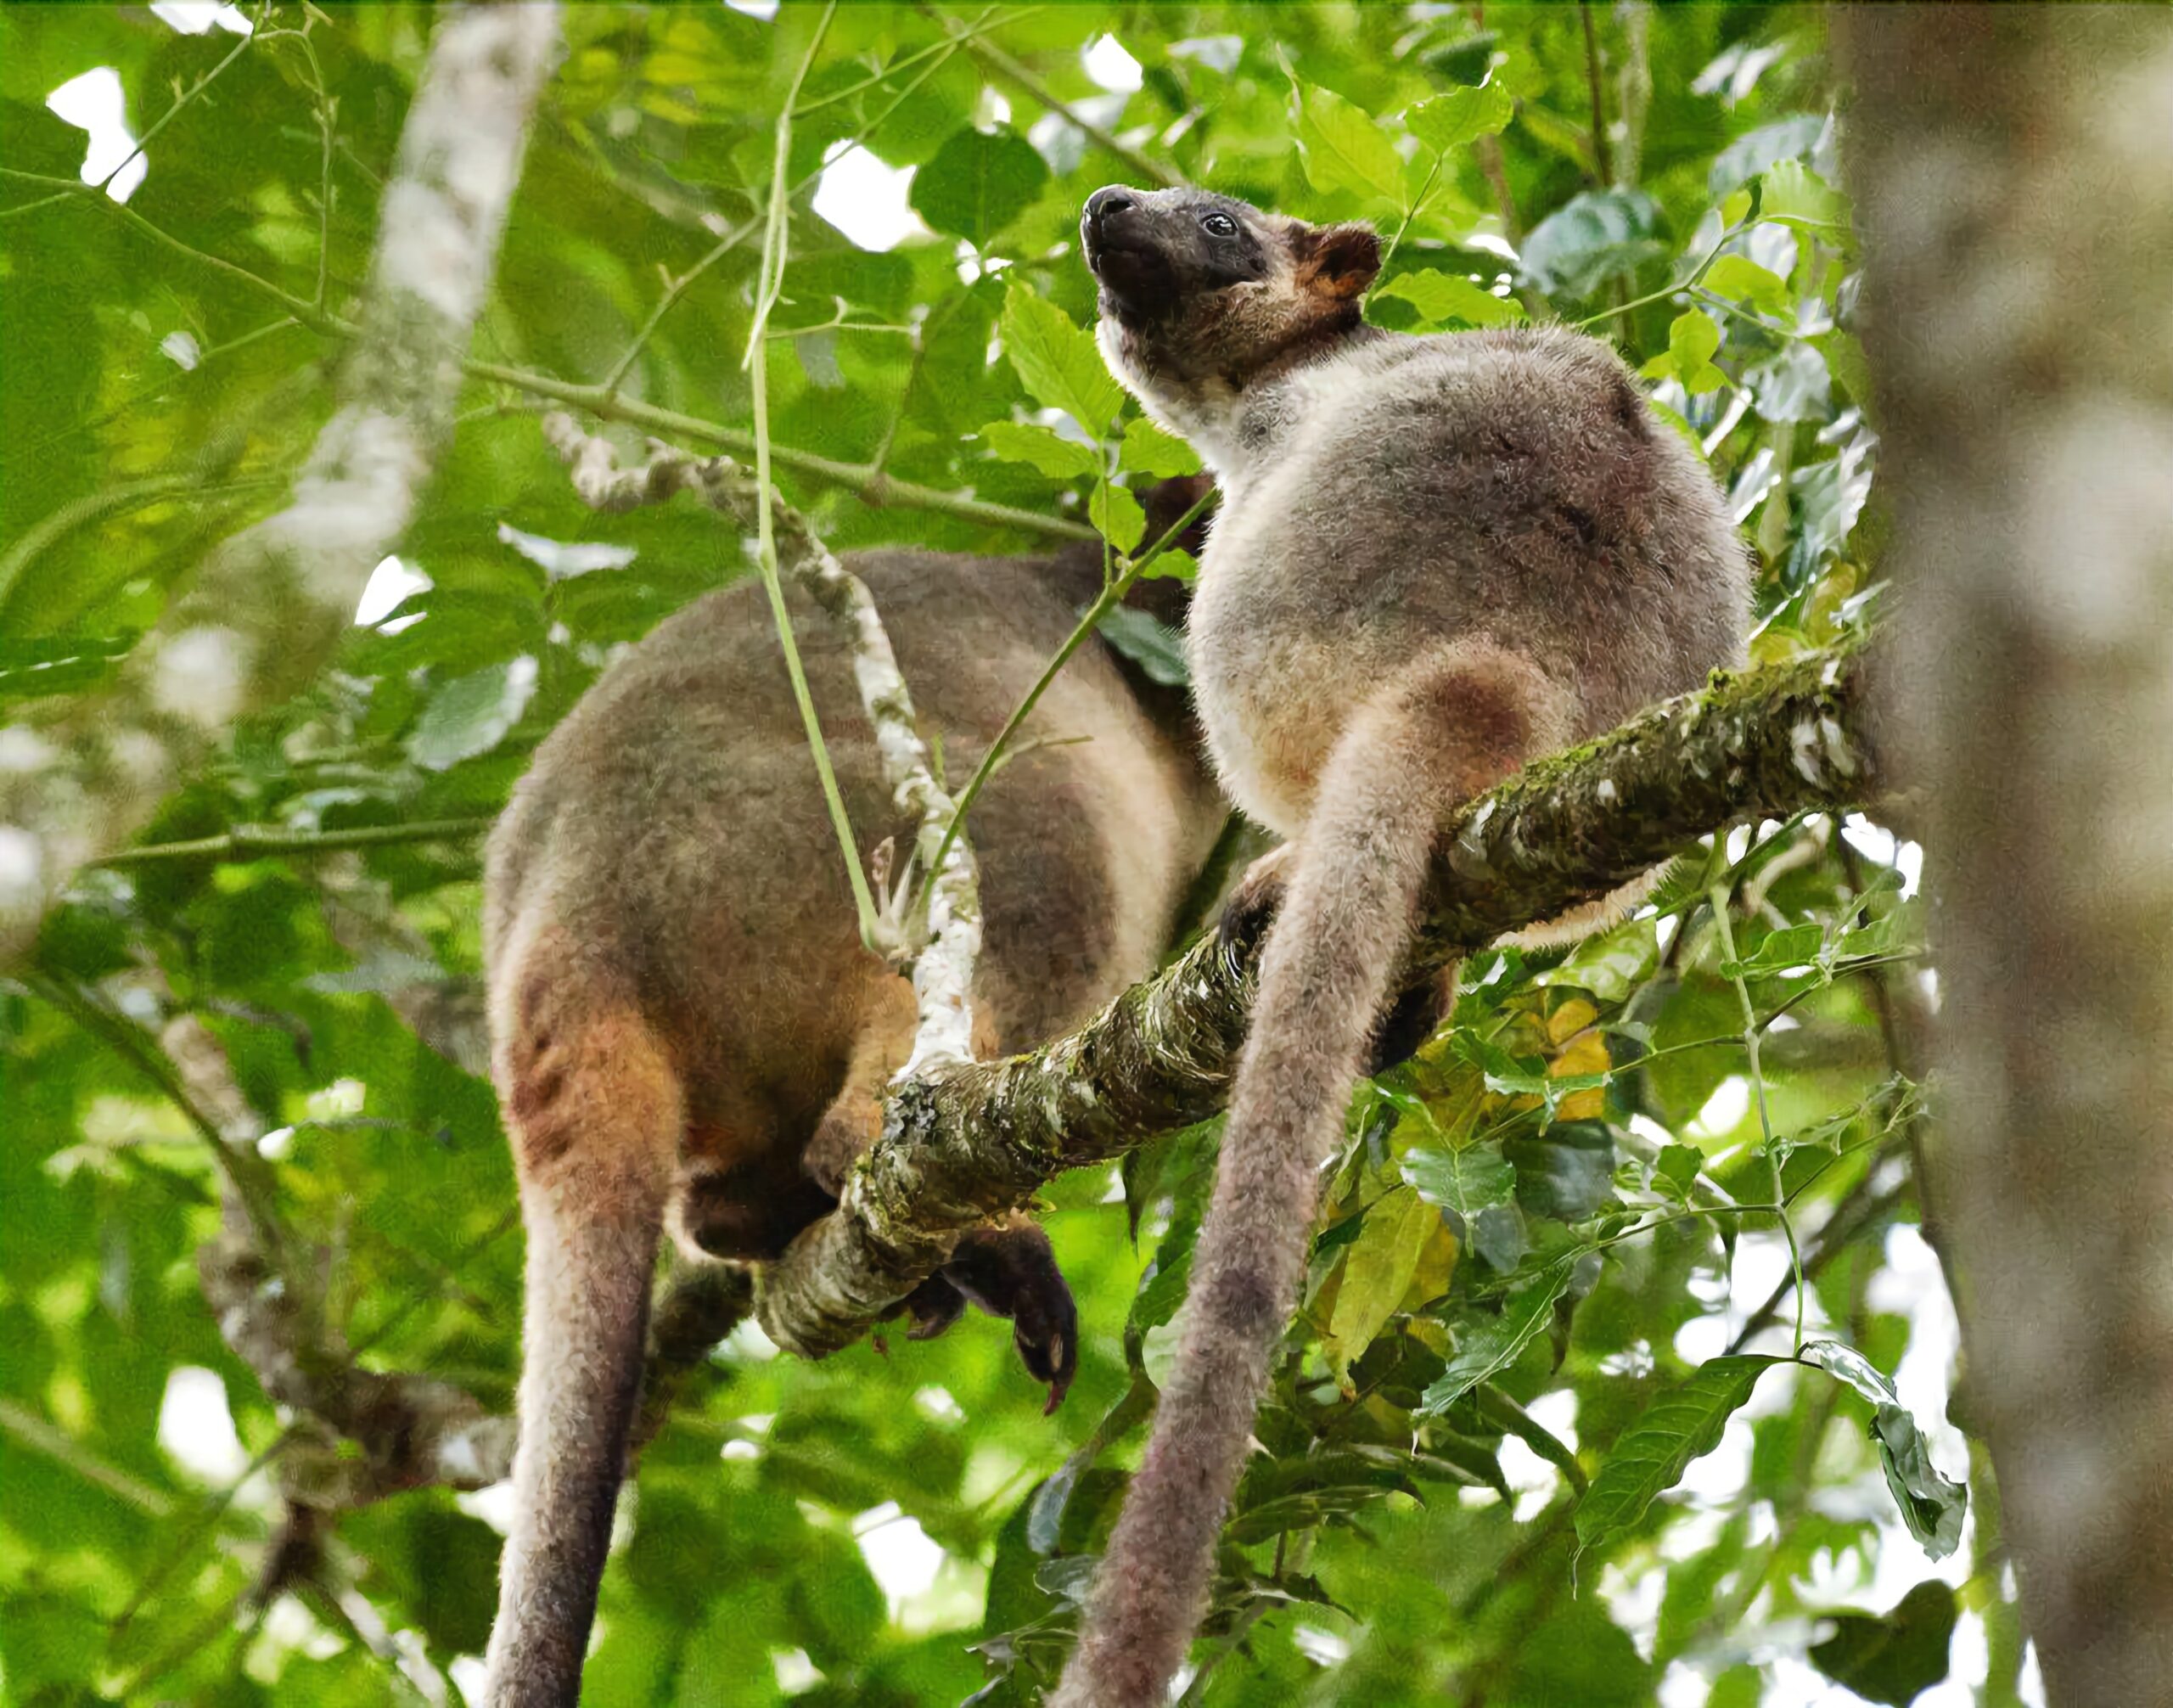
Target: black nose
[{"x": 1112, "y": 199}]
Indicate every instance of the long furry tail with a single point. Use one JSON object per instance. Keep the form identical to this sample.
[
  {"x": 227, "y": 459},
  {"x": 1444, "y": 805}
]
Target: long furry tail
[
  {"x": 1436, "y": 737},
  {"x": 595, "y": 1119}
]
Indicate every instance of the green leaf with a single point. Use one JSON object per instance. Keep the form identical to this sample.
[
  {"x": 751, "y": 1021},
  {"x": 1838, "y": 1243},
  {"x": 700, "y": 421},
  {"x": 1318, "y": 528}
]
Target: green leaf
[
  {"x": 1892, "y": 1659},
  {"x": 1932, "y": 1504},
  {"x": 1045, "y": 1507},
  {"x": 1057, "y": 362},
  {"x": 1147, "y": 450},
  {"x": 1692, "y": 340},
  {"x": 835, "y": 1605},
  {"x": 1444, "y": 299},
  {"x": 1116, "y": 515},
  {"x": 1489, "y": 1346},
  {"x": 1760, "y": 150},
  {"x": 1678, "y": 1165},
  {"x": 1683, "y": 1424},
  {"x": 1171, "y": 564},
  {"x": 1791, "y": 190},
  {"x": 1281, "y": 1495},
  {"x": 1507, "y": 1075},
  {"x": 1566, "y": 1172},
  {"x": 1741, "y": 279},
  {"x": 1793, "y": 946},
  {"x": 1577, "y": 1656},
  {"x": 1460, "y": 116},
  {"x": 1594, "y": 237},
  {"x": 1466, "y": 1180},
  {"x": 1683, "y": 430},
  {"x": 35, "y": 666},
  {"x": 1158, "y": 650},
  {"x": 1793, "y": 387},
  {"x": 1377, "y": 1272},
  {"x": 1041, "y": 447},
  {"x": 471, "y": 714},
  {"x": 1344, "y": 148},
  {"x": 978, "y": 182}
]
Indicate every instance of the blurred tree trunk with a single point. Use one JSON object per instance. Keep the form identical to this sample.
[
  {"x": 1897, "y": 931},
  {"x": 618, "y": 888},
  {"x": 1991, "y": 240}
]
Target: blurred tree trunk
[
  {"x": 267, "y": 608},
  {"x": 2014, "y": 177}
]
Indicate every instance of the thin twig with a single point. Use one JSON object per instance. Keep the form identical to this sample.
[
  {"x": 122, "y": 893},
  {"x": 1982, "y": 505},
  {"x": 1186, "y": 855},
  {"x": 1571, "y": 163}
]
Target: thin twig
[
  {"x": 865, "y": 481},
  {"x": 1129, "y": 571},
  {"x": 731, "y": 240},
  {"x": 870, "y": 484},
  {"x": 246, "y": 842},
  {"x": 174, "y": 111},
  {"x": 1602, "y": 159},
  {"x": 945, "y": 48},
  {"x": 247, "y": 1175},
  {"x": 35, "y": 1433},
  {"x": 1005, "y": 66},
  {"x": 1517, "y": 1421},
  {"x": 1731, "y": 970}
]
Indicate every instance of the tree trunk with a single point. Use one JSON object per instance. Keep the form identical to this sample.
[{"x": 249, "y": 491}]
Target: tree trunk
[
  {"x": 2014, "y": 175},
  {"x": 267, "y": 608}
]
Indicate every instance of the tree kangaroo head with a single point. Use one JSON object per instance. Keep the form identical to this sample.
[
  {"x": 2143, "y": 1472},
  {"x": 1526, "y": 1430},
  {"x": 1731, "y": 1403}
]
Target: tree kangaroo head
[{"x": 1202, "y": 290}]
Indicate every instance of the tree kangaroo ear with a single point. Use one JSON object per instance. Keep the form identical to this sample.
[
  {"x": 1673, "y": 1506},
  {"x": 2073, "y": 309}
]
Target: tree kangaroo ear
[{"x": 1338, "y": 260}]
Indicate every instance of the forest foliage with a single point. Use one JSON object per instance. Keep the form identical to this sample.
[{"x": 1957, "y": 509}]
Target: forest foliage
[{"x": 1550, "y": 1279}]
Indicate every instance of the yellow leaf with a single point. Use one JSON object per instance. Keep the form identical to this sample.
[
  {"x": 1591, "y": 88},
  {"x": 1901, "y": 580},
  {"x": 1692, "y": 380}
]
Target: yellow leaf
[
  {"x": 1376, "y": 1274},
  {"x": 1436, "y": 1269},
  {"x": 1585, "y": 1053}
]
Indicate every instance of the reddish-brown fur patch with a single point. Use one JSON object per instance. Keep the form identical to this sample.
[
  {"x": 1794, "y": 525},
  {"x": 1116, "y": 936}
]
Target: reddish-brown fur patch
[{"x": 1337, "y": 261}]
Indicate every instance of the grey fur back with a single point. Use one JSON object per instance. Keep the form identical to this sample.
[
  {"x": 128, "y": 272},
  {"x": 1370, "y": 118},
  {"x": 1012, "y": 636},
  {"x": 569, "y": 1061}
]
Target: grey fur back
[{"x": 1512, "y": 485}]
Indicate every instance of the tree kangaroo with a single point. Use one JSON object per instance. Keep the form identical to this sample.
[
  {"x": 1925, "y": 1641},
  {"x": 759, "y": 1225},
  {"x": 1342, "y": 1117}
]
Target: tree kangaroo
[
  {"x": 1504, "y": 552},
  {"x": 686, "y": 1027}
]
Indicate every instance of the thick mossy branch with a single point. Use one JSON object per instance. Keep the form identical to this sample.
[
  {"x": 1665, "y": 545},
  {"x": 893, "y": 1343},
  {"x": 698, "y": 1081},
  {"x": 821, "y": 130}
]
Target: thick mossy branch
[{"x": 969, "y": 1144}]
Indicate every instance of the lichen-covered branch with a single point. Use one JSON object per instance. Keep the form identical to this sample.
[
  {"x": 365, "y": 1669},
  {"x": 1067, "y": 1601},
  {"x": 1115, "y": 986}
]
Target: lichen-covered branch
[
  {"x": 266, "y": 607},
  {"x": 970, "y": 1142},
  {"x": 943, "y": 956},
  {"x": 369, "y": 1433},
  {"x": 412, "y": 1429},
  {"x": 967, "y": 1143}
]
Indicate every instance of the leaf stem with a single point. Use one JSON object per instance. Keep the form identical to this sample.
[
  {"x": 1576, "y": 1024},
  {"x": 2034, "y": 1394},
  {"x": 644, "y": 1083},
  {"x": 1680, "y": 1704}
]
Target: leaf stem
[
  {"x": 1112, "y": 592},
  {"x": 1601, "y": 163},
  {"x": 1697, "y": 272},
  {"x": 769, "y": 287},
  {"x": 174, "y": 111},
  {"x": 732, "y": 239},
  {"x": 1535, "y": 1435},
  {"x": 945, "y": 49},
  {"x": 247, "y": 1174},
  {"x": 244, "y": 842},
  {"x": 865, "y": 481},
  {"x": 1733, "y": 971},
  {"x": 1004, "y": 66}
]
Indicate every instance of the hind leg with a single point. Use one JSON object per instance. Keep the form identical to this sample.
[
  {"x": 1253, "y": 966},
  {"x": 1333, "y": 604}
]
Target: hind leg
[{"x": 1009, "y": 1269}]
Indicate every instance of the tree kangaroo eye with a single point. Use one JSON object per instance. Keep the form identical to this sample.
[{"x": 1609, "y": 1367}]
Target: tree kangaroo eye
[{"x": 1218, "y": 225}]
